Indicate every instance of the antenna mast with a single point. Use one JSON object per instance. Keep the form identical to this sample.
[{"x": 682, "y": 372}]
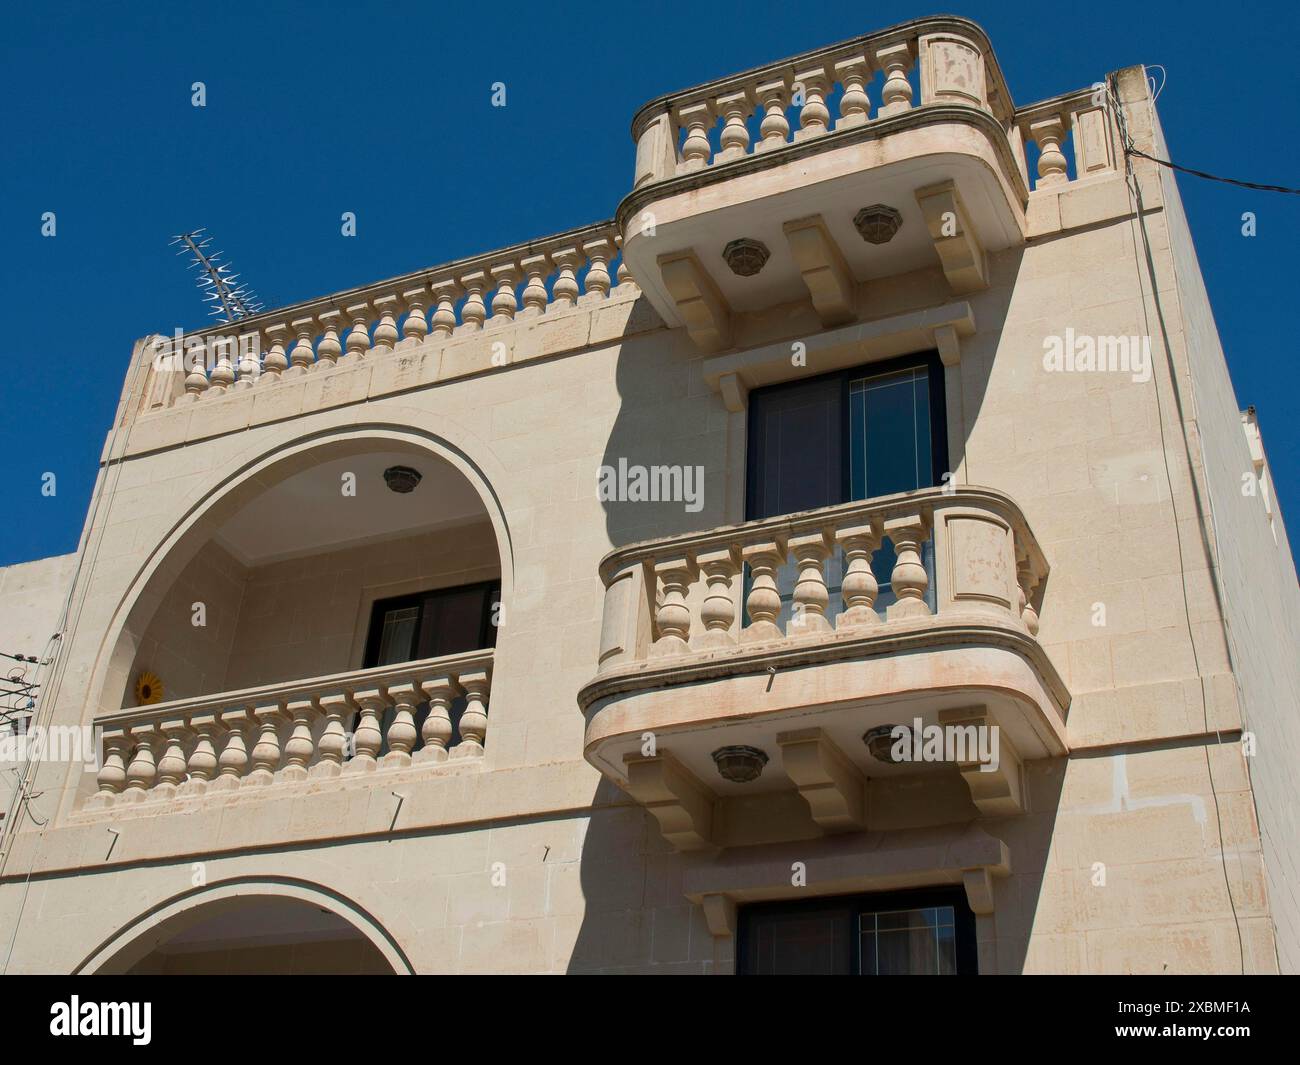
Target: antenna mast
[{"x": 230, "y": 301}]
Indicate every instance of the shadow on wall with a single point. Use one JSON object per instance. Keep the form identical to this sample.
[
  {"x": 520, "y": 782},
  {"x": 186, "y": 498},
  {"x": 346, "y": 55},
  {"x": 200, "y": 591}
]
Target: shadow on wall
[{"x": 635, "y": 917}]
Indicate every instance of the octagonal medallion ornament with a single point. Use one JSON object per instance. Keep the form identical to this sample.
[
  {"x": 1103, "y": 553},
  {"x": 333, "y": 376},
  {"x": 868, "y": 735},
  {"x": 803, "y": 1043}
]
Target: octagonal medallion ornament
[
  {"x": 877, "y": 223},
  {"x": 746, "y": 257}
]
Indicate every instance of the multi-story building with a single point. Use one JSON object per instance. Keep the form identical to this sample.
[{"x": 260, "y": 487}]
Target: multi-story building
[{"x": 850, "y": 557}]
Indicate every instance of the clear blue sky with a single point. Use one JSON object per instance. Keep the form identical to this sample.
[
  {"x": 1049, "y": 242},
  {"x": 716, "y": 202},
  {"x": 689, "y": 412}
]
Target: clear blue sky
[{"x": 384, "y": 109}]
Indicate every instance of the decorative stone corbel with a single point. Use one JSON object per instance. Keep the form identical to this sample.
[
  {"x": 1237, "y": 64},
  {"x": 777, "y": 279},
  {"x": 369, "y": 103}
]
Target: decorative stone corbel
[
  {"x": 979, "y": 889},
  {"x": 827, "y": 781},
  {"x": 719, "y": 915},
  {"x": 824, "y": 270},
  {"x": 677, "y": 800},
  {"x": 996, "y": 792},
  {"x": 955, "y": 240},
  {"x": 701, "y": 306},
  {"x": 734, "y": 391}
]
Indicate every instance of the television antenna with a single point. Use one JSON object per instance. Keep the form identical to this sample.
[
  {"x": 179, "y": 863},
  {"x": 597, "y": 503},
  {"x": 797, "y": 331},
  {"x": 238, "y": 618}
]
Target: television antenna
[{"x": 229, "y": 299}]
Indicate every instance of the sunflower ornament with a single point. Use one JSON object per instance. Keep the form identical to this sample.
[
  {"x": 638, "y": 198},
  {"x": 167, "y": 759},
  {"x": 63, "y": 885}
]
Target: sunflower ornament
[{"x": 148, "y": 688}]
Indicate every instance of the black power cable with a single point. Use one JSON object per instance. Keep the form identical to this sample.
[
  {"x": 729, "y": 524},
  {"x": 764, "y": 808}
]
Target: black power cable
[{"x": 1212, "y": 177}]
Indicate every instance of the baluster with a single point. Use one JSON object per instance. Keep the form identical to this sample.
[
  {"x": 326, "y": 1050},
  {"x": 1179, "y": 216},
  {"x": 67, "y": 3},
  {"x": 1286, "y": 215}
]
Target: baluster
[
  {"x": 112, "y": 773},
  {"x": 436, "y": 730},
  {"x": 719, "y": 610},
  {"x": 266, "y": 751},
  {"x": 859, "y": 588},
  {"x": 909, "y": 579},
  {"x": 474, "y": 721},
  {"x": 896, "y": 94},
  {"x": 444, "y": 318},
  {"x": 1048, "y": 133},
  {"x": 233, "y": 762},
  {"x": 814, "y": 116},
  {"x": 764, "y": 602},
  {"x": 333, "y": 745},
  {"x": 386, "y": 327},
  {"x": 401, "y": 733},
  {"x": 474, "y": 312},
  {"x": 330, "y": 347},
  {"x": 565, "y": 290},
  {"x": 624, "y": 275},
  {"x": 1027, "y": 583},
  {"x": 811, "y": 598},
  {"x": 673, "y": 616},
  {"x": 248, "y": 365},
  {"x": 299, "y": 747},
  {"x": 504, "y": 302},
  {"x": 223, "y": 373},
  {"x": 274, "y": 363},
  {"x": 775, "y": 127},
  {"x": 855, "y": 105},
  {"x": 597, "y": 281},
  {"x": 359, "y": 335},
  {"x": 143, "y": 770},
  {"x": 735, "y": 108},
  {"x": 536, "y": 267},
  {"x": 196, "y": 381},
  {"x": 368, "y": 737},
  {"x": 302, "y": 355},
  {"x": 697, "y": 118},
  {"x": 414, "y": 327},
  {"x": 173, "y": 763},
  {"x": 202, "y": 764}
]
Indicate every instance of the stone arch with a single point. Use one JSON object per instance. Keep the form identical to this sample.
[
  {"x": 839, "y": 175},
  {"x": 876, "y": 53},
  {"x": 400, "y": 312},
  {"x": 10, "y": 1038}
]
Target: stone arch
[
  {"x": 138, "y": 938},
  {"x": 248, "y": 478}
]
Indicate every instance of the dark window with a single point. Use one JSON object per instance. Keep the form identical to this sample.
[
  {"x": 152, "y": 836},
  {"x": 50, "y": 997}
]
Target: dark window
[
  {"x": 927, "y": 932},
  {"x": 852, "y": 434},
  {"x": 432, "y": 624},
  {"x": 448, "y": 621}
]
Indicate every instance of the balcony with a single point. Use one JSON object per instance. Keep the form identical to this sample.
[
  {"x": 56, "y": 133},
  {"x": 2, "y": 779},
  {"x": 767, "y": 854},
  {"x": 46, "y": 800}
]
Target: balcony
[
  {"x": 685, "y": 674},
  {"x": 296, "y": 733},
  {"x": 324, "y": 620},
  {"x": 749, "y": 193}
]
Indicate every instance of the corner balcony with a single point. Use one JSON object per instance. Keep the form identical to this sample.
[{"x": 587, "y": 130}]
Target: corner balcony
[
  {"x": 803, "y": 179},
  {"x": 687, "y": 672}
]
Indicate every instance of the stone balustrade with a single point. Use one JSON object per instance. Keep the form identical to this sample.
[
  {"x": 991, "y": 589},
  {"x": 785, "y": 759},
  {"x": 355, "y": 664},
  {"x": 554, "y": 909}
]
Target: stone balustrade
[
  {"x": 1085, "y": 118},
  {"x": 480, "y": 293},
  {"x": 348, "y": 724},
  {"x": 928, "y": 63},
  {"x": 683, "y": 596}
]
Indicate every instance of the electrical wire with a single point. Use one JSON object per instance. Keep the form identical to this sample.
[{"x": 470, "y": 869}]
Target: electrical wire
[{"x": 1212, "y": 177}]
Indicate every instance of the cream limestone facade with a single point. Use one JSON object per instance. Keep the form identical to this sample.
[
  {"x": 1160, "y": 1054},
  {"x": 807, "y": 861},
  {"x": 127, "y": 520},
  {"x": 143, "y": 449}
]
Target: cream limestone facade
[{"x": 1089, "y": 582}]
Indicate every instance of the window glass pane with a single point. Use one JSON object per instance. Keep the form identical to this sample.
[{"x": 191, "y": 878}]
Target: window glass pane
[
  {"x": 397, "y": 637},
  {"x": 889, "y": 433},
  {"x": 799, "y": 944},
  {"x": 452, "y": 622},
  {"x": 908, "y": 942},
  {"x": 796, "y": 449}
]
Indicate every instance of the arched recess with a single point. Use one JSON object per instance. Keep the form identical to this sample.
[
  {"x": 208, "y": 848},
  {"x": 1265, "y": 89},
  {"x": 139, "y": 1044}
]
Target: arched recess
[
  {"x": 163, "y": 923},
  {"x": 240, "y": 487}
]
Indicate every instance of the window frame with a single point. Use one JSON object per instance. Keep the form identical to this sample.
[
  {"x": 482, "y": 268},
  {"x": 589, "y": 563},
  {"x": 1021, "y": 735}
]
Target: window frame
[
  {"x": 870, "y": 902},
  {"x": 938, "y": 420}
]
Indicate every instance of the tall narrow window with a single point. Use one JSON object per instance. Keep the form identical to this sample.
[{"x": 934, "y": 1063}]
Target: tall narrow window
[
  {"x": 447, "y": 621},
  {"x": 855, "y": 434}
]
